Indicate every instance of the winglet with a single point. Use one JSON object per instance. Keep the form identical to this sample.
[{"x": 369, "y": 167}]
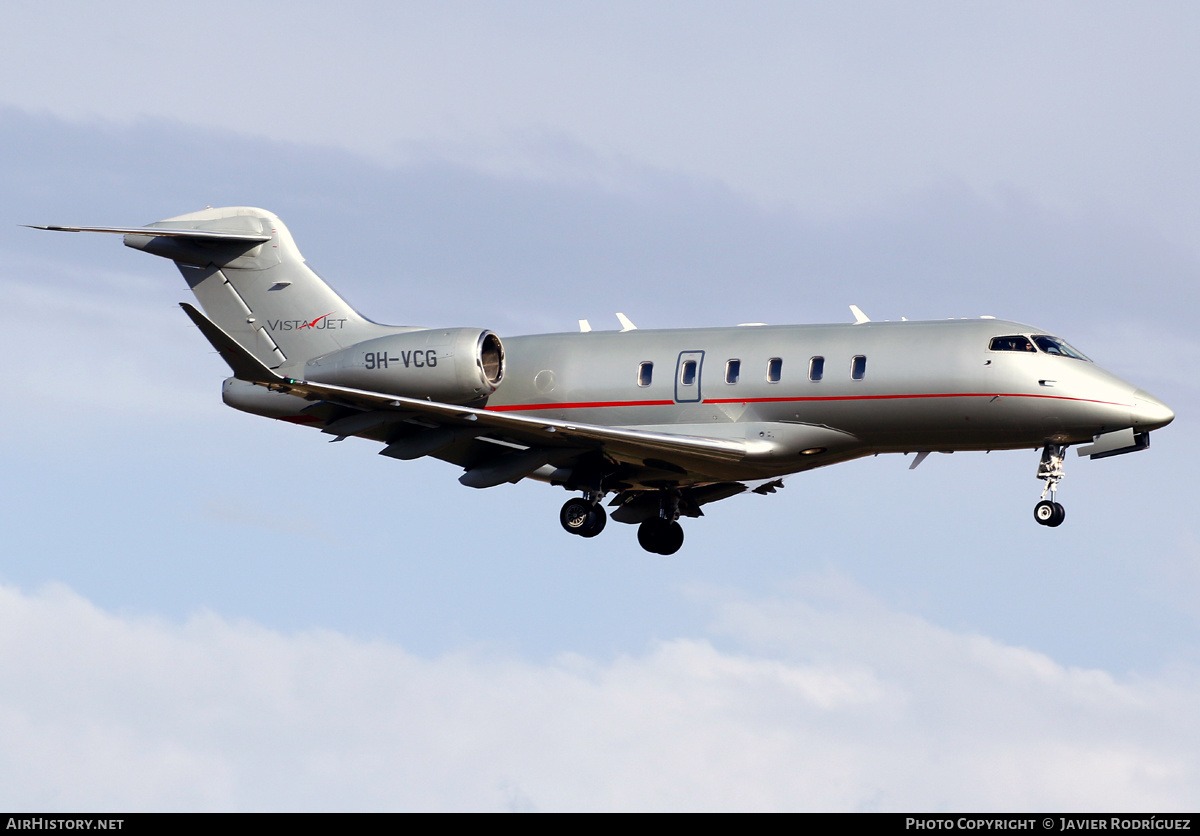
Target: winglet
[
  {"x": 245, "y": 365},
  {"x": 859, "y": 316},
  {"x": 626, "y": 325}
]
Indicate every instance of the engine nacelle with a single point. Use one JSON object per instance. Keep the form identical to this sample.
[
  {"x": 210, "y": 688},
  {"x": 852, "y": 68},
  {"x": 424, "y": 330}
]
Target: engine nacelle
[{"x": 455, "y": 365}]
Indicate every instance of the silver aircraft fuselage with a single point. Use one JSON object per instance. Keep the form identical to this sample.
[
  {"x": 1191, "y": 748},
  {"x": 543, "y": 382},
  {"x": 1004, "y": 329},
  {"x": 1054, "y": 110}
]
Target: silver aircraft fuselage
[
  {"x": 924, "y": 386},
  {"x": 667, "y": 420}
]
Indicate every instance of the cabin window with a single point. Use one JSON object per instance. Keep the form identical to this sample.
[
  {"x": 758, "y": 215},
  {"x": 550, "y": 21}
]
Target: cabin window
[
  {"x": 1013, "y": 343},
  {"x": 816, "y": 368},
  {"x": 858, "y": 367},
  {"x": 733, "y": 370},
  {"x": 1053, "y": 345},
  {"x": 687, "y": 374},
  {"x": 774, "y": 369},
  {"x": 645, "y": 373}
]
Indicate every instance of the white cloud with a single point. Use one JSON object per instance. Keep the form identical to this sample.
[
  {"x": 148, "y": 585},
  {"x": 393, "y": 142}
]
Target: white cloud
[{"x": 826, "y": 701}]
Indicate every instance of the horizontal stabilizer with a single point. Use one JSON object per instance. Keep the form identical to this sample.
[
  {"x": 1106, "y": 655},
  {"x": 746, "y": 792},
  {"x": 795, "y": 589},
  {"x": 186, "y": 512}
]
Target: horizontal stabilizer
[
  {"x": 157, "y": 232},
  {"x": 244, "y": 364}
]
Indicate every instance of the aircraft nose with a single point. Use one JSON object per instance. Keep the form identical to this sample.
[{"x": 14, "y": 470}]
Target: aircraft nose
[{"x": 1149, "y": 413}]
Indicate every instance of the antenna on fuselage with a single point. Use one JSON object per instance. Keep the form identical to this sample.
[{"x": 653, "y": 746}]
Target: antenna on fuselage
[
  {"x": 584, "y": 326},
  {"x": 859, "y": 316},
  {"x": 626, "y": 325}
]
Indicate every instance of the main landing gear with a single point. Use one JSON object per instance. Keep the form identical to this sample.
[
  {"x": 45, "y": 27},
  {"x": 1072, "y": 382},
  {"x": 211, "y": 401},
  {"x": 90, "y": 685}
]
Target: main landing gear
[
  {"x": 583, "y": 515},
  {"x": 1050, "y": 469},
  {"x": 661, "y": 534}
]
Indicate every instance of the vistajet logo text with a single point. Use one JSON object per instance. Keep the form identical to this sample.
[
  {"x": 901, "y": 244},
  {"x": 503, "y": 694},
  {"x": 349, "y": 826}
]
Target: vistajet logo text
[{"x": 321, "y": 323}]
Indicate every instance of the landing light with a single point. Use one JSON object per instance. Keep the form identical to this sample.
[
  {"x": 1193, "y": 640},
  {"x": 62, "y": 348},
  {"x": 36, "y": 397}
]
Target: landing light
[{"x": 812, "y": 451}]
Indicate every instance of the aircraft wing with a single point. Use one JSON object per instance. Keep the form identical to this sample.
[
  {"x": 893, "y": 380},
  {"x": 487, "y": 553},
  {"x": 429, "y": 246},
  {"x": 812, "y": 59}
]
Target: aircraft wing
[
  {"x": 535, "y": 431},
  {"x": 531, "y": 441}
]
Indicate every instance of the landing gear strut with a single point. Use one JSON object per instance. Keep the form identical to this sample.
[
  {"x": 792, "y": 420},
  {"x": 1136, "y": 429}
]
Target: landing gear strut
[
  {"x": 664, "y": 534},
  {"x": 1049, "y": 512},
  {"x": 583, "y": 515}
]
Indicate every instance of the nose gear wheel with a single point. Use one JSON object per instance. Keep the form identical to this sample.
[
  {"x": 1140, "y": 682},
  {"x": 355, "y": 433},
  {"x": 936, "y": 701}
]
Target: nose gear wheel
[{"x": 1049, "y": 512}]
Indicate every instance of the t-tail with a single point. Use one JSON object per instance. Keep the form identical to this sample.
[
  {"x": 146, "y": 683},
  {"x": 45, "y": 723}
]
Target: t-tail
[{"x": 251, "y": 280}]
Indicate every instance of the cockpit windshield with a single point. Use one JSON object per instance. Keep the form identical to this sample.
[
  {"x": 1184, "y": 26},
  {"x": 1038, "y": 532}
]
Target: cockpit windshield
[
  {"x": 1053, "y": 345},
  {"x": 1013, "y": 343},
  {"x": 1045, "y": 342}
]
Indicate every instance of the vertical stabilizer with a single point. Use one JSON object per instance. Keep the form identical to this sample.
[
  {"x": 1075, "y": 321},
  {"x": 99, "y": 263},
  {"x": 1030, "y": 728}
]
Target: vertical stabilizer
[{"x": 251, "y": 280}]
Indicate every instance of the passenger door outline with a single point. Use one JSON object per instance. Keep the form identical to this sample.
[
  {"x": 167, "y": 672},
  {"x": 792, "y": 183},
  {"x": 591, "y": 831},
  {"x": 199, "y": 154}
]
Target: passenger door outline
[{"x": 688, "y": 393}]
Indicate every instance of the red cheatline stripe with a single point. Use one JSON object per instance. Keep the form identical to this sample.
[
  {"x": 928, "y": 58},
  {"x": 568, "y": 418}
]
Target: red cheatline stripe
[
  {"x": 603, "y": 404},
  {"x": 529, "y": 407},
  {"x": 902, "y": 397}
]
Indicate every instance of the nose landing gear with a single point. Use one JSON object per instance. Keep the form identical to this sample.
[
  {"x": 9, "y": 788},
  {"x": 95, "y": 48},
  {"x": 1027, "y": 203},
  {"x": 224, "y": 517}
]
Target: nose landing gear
[{"x": 1048, "y": 511}]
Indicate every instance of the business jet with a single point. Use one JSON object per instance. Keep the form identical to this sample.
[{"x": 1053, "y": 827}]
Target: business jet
[{"x": 664, "y": 421}]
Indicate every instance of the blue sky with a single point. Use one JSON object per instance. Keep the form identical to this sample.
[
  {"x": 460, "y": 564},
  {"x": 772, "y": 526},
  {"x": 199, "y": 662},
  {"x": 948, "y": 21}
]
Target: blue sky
[{"x": 204, "y": 610}]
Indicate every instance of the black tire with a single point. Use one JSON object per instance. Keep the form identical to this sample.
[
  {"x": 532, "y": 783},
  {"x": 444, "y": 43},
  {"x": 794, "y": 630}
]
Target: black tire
[
  {"x": 575, "y": 515},
  {"x": 649, "y": 535},
  {"x": 1045, "y": 513},
  {"x": 1060, "y": 514},
  {"x": 660, "y": 536},
  {"x": 596, "y": 521},
  {"x": 671, "y": 538}
]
